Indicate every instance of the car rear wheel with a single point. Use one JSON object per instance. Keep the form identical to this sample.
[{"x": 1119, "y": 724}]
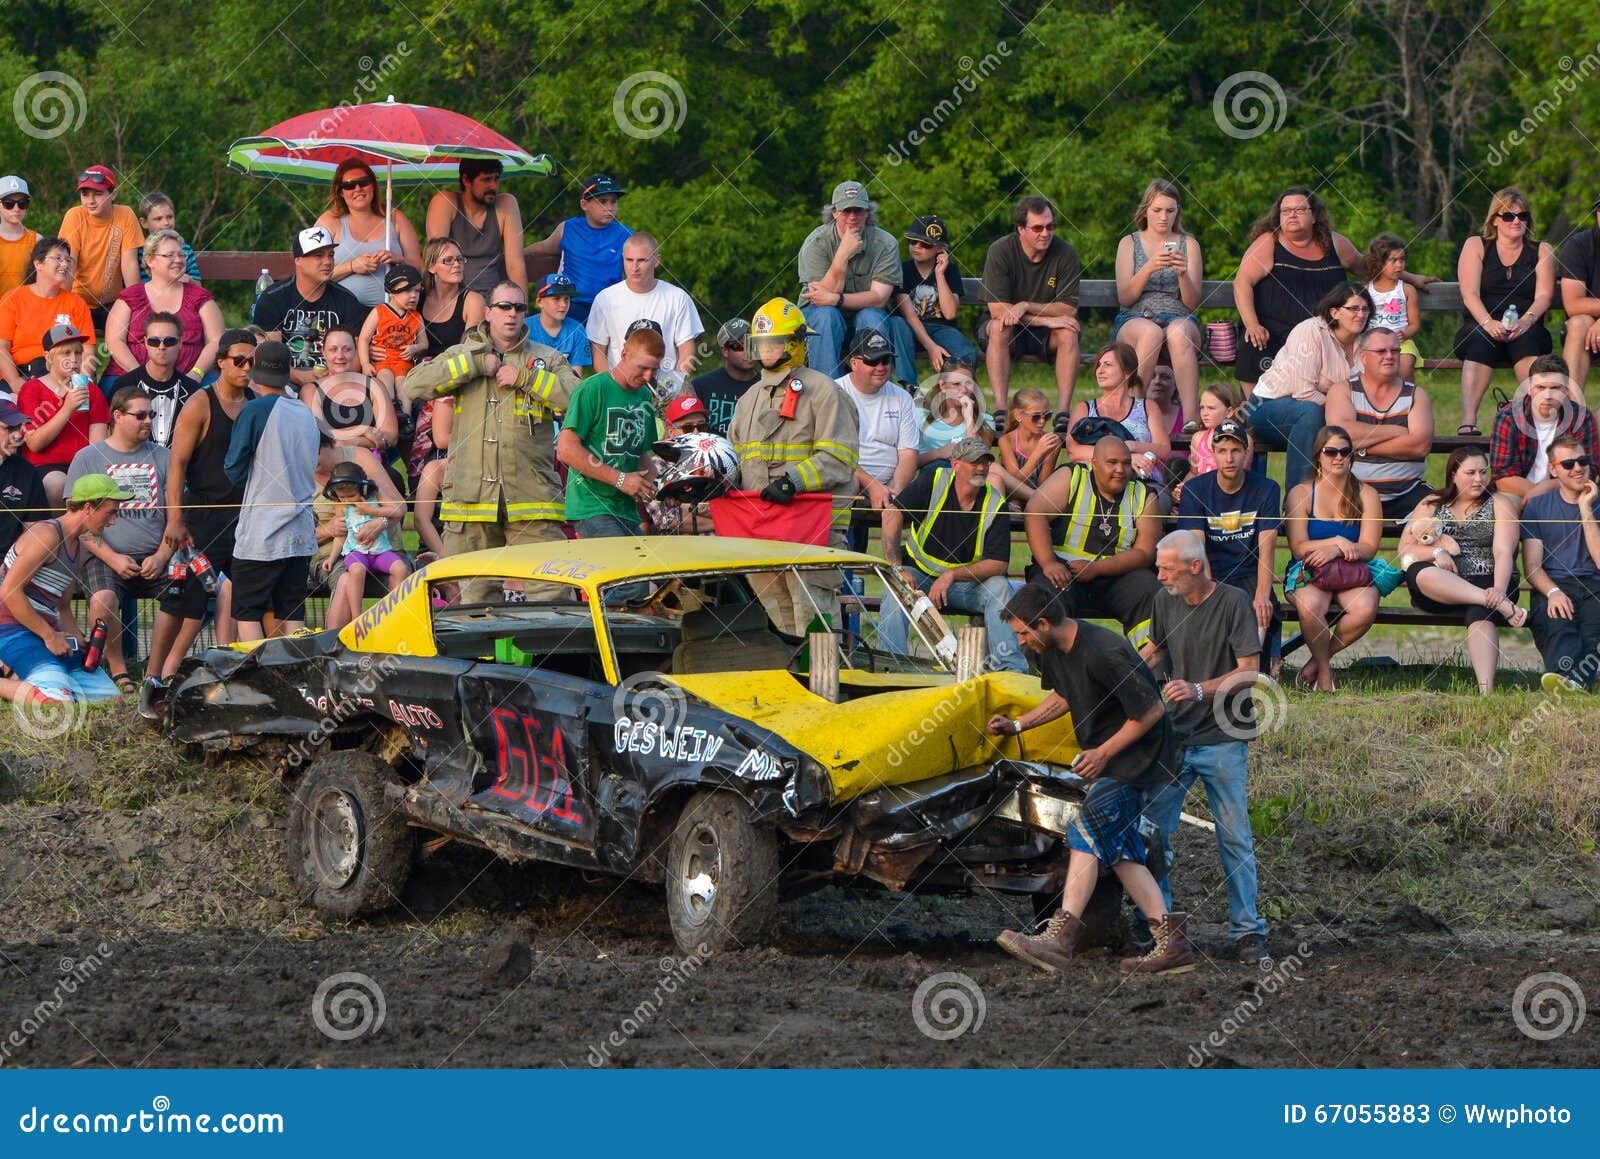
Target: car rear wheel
[
  {"x": 350, "y": 853},
  {"x": 722, "y": 877}
]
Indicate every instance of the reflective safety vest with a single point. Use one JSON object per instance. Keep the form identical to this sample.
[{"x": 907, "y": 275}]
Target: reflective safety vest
[
  {"x": 1080, "y": 515},
  {"x": 943, "y": 488}
]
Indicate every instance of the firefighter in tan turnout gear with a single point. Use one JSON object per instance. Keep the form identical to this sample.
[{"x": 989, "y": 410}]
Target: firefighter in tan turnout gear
[
  {"x": 794, "y": 431},
  {"x": 501, "y": 486}
]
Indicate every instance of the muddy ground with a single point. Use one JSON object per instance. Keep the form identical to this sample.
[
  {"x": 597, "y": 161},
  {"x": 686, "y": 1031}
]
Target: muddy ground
[{"x": 166, "y": 935}]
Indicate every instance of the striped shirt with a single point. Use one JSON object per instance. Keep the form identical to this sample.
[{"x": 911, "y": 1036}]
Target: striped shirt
[
  {"x": 1385, "y": 475},
  {"x": 53, "y": 579}
]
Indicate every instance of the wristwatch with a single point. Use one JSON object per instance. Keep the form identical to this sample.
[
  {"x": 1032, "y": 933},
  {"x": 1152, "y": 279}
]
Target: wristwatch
[{"x": 1200, "y": 693}]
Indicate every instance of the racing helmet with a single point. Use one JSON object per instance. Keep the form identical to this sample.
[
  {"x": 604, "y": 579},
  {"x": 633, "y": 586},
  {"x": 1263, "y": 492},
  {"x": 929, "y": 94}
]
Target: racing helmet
[
  {"x": 778, "y": 334},
  {"x": 701, "y": 466}
]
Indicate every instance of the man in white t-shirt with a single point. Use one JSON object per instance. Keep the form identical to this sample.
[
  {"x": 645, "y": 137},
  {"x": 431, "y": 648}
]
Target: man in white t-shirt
[
  {"x": 888, "y": 426},
  {"x": 641, "y": 295}
]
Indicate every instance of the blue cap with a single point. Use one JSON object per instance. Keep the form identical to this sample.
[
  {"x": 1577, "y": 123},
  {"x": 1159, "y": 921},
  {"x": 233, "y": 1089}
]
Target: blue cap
[
  {"x": 10, "y": 416},
  {"x": 557, "y": 285}
]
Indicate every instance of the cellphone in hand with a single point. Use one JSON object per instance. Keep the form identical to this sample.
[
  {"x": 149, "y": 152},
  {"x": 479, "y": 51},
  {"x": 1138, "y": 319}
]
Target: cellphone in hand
[{"x": 1170, "y": 247}]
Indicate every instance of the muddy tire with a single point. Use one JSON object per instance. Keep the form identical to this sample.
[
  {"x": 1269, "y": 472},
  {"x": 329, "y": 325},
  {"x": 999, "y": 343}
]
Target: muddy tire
[
  {"x": 349, "y": 852},
  {"x": 722, "y": 877}
]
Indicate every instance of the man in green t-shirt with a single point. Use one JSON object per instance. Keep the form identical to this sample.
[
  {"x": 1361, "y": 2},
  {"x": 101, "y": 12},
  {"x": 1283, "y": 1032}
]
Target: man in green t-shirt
[{"x": 609, "y": 425}]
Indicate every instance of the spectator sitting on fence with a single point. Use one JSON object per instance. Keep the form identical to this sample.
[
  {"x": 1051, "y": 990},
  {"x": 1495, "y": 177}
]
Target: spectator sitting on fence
[
  {"x": 105, "y": 238},
  {"x": 720, "y": 389},
  {"x": 485, "y": 224},
  {"x": 35, "y": 616},
  {"x": 1093, "y": 530},
  {"x": 955, "y": 411},
  {"x": 1332, "y": 535},
  {"x": 1160, "y": 277},
  {"x": 22, "y": 498},
  {"x": 1029, "y": 449},
  {"x": 159, "y": 377},
  {"x": 365, "y": 547},
  {"x": 1561, "y": 555},
  {"x": 1478, "y": 581},
  {"x": 128, "y": 560},
  {"x": 887, "y": 422},
  {"x": 1508, "y": 284},
  {"x": 1394, "y": 301},
  {"x": 929, "y": 298},
  {"x": 848, "y": 269},
  {"x": 1519, "y": 449},
  {"x": 157, "y": 212},
  {"x": 16, "y": 239},
  {"x": 555, "y": 326},
  {"x": 1030, "y": 282},
  {"x": 1236, "y": 511},
  {"x": 1390, "y": 421},
  {"x": 1287, "y": 404},
  {"x": 448, "y": 308},
  {"x": 370, "y": 241},
  {"x": 165, "y": 293},
  {"x": 589, "y": 245},
  {"x": 1116, "y": 373},
  {"x": 959, "y": 549},
  {"x": 34, "y": 308},
  {"x": 302, "y": 310},
  {"x": 1579, "y": 268},
  {"x": 65, "y": 411},
  {"x": 641, "y": 295}
]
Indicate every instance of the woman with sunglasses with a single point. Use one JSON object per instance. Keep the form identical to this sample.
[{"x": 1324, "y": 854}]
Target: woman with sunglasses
[
  {"x": 356, "y": 220},
  {"x": 1508, "y": 283},
  {"x": 1122, "y": 399},
  {"x": 165, "y": 293},
  {"x": 1029, "y": 449},
  {"x": 16, "y": 240},
  {"x": 29, "y": 312},
  {"x": 1333, "y": 519}
]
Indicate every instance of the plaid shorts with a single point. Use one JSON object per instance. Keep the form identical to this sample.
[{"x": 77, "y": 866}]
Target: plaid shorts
[
  {"x": 1108, "y": 826},
  {"x": 96, "y": 576}
]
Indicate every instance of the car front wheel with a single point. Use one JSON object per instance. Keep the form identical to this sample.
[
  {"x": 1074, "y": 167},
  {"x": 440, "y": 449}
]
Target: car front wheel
[
  {"x": 349, "y": 852},
  {"x": 722, "y": 877}
]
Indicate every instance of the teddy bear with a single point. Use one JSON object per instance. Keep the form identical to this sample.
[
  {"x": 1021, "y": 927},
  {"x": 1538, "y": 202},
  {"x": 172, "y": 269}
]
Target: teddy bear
[{"x": 1427, "y": 534}]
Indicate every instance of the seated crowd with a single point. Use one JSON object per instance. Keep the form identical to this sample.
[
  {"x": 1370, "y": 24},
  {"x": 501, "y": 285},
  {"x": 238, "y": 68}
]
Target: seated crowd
[{"x": 226, "y": 473}]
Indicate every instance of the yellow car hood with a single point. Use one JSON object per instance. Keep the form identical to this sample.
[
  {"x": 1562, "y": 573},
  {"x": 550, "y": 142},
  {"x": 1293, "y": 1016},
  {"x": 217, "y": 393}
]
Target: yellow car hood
[{"x": 892, "y": 729}]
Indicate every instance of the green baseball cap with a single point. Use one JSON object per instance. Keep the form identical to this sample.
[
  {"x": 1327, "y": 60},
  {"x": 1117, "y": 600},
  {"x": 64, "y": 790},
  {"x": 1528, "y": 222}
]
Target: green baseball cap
[{"x": 94, "y": 488}]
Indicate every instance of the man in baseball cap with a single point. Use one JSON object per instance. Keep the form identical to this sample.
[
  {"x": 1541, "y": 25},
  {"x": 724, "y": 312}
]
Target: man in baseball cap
[
  {"x": 105, "y": 238},
  {"x": 552, "y": 324},
  {"x": 16, "y": 240},
  {"x": 848, "y": 269},
  {"x": 957, "y": 551},
  {"x": 589, "y": 244},
  {"x": 300, "y": 311},
  {"x": 720, "y": 389},
  {"x": 686, "y": 415},
  {"x": 925, "y": 309}
]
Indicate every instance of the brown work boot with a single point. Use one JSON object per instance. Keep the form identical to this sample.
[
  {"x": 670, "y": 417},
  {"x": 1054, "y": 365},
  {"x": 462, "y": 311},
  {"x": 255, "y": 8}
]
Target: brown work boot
[
  {"x": 1051, "y": 948},
  {"x": 1172, "y": 955}
]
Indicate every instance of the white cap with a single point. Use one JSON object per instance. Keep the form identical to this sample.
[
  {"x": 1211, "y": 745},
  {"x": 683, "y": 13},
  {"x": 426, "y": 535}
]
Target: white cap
[
  {"x": 11, "y": 183},
  {"x": 309, "y": 241}
]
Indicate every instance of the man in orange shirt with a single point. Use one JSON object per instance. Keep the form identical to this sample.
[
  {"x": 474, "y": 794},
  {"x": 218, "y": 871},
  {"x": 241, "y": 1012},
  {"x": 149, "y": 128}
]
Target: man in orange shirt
[{"x": 105, "y": 237}]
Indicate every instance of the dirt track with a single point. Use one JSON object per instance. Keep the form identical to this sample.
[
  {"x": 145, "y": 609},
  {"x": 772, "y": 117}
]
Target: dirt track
[{"x": 497, "y": 966}]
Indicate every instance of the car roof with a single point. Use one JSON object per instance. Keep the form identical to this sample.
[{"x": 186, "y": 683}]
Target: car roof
[{"x": 592, "y": 563}]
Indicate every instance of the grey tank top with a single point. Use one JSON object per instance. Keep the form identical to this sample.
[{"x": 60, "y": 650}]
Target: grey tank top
[
  {"x": 368, "y": 288},
  {"x": 483, "y": 249},
  {"x": 1161, "y": 294}
]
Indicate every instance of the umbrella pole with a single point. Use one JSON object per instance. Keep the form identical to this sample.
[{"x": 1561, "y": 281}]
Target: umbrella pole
[{"x": 388, "y": 207}]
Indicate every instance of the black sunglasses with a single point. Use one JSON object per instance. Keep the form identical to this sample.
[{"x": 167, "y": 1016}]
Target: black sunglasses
[
  {"x": 357, "y": 183},
  {"x": 241, "y": 360},
  {"x": 15, "y": 202},
  {"x": 162, "y": 343},
  {"x": 876, "y": 361},
  {"x": 1337, "y": 452},
  {"x": 514, "y": 307},
  {"x": 1508, "y": 216},
  {"x": 1569, "y": 464},
  {"x": 139, "y": 415}
]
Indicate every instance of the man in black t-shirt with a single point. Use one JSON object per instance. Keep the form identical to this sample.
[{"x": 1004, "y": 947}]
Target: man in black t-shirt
[
  {"x": 1580, "y": 298},
  {"x": 158, "y": 377},
  {"x": 959, "y": 549},
  {"x": 300, "y": 311},
  {"x": 720, "y": 389},
  {"x": 1129, "y": 753},
  {"x": 925, "y": 309},
  {"x": 1030, "y": 281},
  {"x": 22, "y": 498}
]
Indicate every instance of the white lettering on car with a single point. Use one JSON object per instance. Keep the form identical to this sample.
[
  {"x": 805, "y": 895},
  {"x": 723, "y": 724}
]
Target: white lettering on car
[
  {"x": 759, "y": 766},
  {"x": 685, "y": 744}
]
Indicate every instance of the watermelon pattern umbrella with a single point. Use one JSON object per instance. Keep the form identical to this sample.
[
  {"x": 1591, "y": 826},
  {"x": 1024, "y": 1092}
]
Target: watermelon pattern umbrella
[{"x": 414, "y": 144}]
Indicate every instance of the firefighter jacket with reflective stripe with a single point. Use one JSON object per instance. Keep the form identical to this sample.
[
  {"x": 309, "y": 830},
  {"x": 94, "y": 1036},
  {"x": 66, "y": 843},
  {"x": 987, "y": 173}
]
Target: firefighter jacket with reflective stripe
[
  {"x": 1072, "y": 530},
  {"x": 503, "y": 442},
  {"x": 816, "y": 449},
  {"x": 917, "y": 543}
]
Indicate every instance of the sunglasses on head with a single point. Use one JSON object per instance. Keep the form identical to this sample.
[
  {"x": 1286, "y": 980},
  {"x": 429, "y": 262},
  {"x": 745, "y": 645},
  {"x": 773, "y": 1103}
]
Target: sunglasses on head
[
  {"x": 15, "y": 202},
  {"x": 161, "y": 343},
  {"x": 1570, "y": 464},
  {"x": 1508, "y": 216},
  {"x": 240, "y": 360},
  {"x": 356, "y": 183},
  {"x": 514, "y": 307},
  {"x": 1336, "y": 452}
]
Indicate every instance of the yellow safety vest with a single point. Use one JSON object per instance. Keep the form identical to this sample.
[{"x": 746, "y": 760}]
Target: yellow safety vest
[
  {"x": 917, "y": 545},
  {"x": 1080, "y": 514}
]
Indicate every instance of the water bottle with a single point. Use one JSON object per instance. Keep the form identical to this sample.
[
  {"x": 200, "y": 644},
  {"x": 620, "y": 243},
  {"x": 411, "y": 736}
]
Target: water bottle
[
  {"x": 263, "y": 284},
  {"x": 96, "y": 648},
  {"x": 84, "y": 381},
  {"x": 1509, "y": 319}
]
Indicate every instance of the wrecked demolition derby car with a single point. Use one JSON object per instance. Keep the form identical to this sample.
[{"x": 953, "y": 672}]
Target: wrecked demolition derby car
[{"x": 676, "y": 738}]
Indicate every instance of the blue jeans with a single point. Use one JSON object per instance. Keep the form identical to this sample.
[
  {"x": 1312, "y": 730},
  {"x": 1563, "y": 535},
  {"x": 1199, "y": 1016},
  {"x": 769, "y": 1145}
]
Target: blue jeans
[
  {"x": 614, "y": 527},
  {"x": 1289, "y": 423},
  {"x": 1222, "y": 767},
  {"x": 944, "y": 334},
  {"x": 988, "y": 598},
  {"x": 832, "y": 328}
]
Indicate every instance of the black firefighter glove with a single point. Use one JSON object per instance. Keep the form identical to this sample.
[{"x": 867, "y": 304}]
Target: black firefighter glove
[{"x": 779, "y": 491}]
